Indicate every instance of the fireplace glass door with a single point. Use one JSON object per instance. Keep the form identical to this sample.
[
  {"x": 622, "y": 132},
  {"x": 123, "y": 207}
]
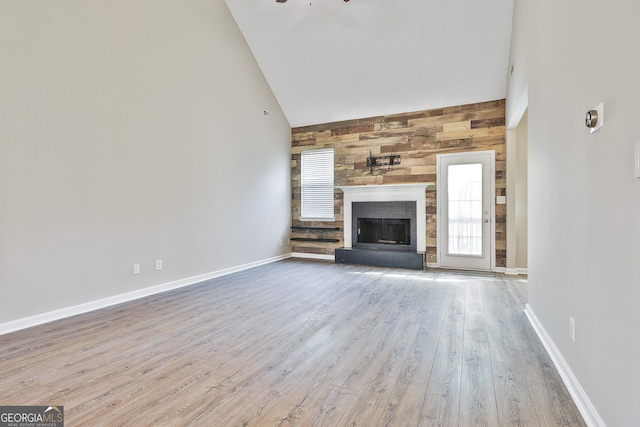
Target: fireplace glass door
[{"x": 384, "y": 231}]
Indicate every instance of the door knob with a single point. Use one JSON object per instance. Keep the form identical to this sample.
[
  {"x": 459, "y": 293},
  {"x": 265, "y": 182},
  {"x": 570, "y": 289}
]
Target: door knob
[{"x": 486, "y": 221}]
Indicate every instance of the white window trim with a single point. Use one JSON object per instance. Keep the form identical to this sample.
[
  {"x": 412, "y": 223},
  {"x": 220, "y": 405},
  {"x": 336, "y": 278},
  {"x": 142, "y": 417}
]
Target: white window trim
[{"x": 329, "y": 184}]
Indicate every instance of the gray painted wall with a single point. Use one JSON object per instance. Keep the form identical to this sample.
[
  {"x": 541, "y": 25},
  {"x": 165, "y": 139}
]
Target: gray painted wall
[
  {"x": 521, "y": 222},
  {"x": 130, "y": 132},
  {"x": 584, "y": 202}
]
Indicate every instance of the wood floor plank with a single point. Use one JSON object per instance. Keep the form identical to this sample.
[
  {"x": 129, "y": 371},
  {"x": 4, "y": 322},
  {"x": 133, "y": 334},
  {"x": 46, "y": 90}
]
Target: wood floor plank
[
  {"x": 407, "y": 396},
  {"x": 328, "y": 409},
  {"x": 477, "y": 395},
  {"x": 389, "y": 375},
  {"x": 553, "y": 403},
  {"x": 298, "y": 343},
  {"x": 514, "y": 403},
  {"x": 499, "y": 300},
  {"x": 442, "y": 399},
  {"x": 454, "y": 314}
]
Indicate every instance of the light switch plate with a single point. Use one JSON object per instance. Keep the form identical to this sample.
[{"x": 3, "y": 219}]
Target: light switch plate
[{"x": 501, "y": 200}]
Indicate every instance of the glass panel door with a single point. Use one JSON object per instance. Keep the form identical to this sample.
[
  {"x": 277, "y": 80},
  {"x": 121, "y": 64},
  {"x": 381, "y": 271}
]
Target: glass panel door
[{"x": 465, "y": 225}]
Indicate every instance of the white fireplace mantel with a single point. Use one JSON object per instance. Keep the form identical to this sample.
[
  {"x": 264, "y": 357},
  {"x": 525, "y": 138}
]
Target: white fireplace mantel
[{"x": 388, "y": 193}]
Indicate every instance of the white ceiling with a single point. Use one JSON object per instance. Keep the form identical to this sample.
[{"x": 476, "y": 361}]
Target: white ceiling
[{"x": 329, "y": 60}]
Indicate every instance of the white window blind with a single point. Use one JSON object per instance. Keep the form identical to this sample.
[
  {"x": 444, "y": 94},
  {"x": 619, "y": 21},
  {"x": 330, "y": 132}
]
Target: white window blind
[{"x": 317, "y": 185}]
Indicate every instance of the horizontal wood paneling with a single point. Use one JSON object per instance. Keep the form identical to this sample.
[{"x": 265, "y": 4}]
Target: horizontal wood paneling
[{"x": 417, "y": 137}]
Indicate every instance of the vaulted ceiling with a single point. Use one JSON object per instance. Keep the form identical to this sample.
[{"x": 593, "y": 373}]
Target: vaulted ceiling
[{"x": 331, "y": 60}]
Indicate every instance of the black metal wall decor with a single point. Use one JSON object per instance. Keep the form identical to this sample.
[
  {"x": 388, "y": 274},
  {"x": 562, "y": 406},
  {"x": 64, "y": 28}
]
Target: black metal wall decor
[{"x": 393, "y": 159}]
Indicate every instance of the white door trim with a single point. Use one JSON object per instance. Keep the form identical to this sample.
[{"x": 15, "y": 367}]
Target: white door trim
[{"x": 442, "y": 191}]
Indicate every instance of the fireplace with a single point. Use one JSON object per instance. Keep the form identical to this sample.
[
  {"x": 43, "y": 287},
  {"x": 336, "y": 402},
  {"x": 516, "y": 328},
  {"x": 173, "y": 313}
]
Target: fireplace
[{"x": 384, "y": 225}]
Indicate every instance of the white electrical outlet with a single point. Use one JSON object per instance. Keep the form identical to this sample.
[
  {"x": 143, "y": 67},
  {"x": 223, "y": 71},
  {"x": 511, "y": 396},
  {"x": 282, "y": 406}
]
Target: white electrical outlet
[
  {"x": 159, "y": 264},
  {"x": 572, "y": 329},
  {"x": 136, "y": 268}
]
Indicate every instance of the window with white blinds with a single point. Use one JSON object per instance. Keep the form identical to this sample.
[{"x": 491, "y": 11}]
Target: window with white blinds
[{"x": 317, "y": 185}]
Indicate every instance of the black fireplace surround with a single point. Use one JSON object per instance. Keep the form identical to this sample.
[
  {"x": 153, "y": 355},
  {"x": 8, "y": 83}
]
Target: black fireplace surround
[{"x": 383, "y": 234}]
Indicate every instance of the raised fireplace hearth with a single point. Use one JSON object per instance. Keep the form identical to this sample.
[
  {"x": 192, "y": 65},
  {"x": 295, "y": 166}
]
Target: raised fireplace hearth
[{"x": 384, "y": 225}]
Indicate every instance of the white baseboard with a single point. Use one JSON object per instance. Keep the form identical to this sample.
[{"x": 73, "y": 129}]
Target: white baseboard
[
  {"x": 516, "y": 271},
  {"x": 313, "y": 256},
  {"x": 495, "y": 270},
  {"x": 38, "y": 319},
  {"x": 586, "y": 408}
]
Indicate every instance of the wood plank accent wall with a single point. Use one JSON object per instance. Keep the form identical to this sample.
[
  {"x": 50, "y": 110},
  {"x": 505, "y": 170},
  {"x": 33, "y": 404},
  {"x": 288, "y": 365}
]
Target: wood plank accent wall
[{"x": 417, "y": 137}]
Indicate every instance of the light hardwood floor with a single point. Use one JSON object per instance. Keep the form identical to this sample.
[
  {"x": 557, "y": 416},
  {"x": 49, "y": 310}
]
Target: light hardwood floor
[{"x": 298, "y": 342}]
